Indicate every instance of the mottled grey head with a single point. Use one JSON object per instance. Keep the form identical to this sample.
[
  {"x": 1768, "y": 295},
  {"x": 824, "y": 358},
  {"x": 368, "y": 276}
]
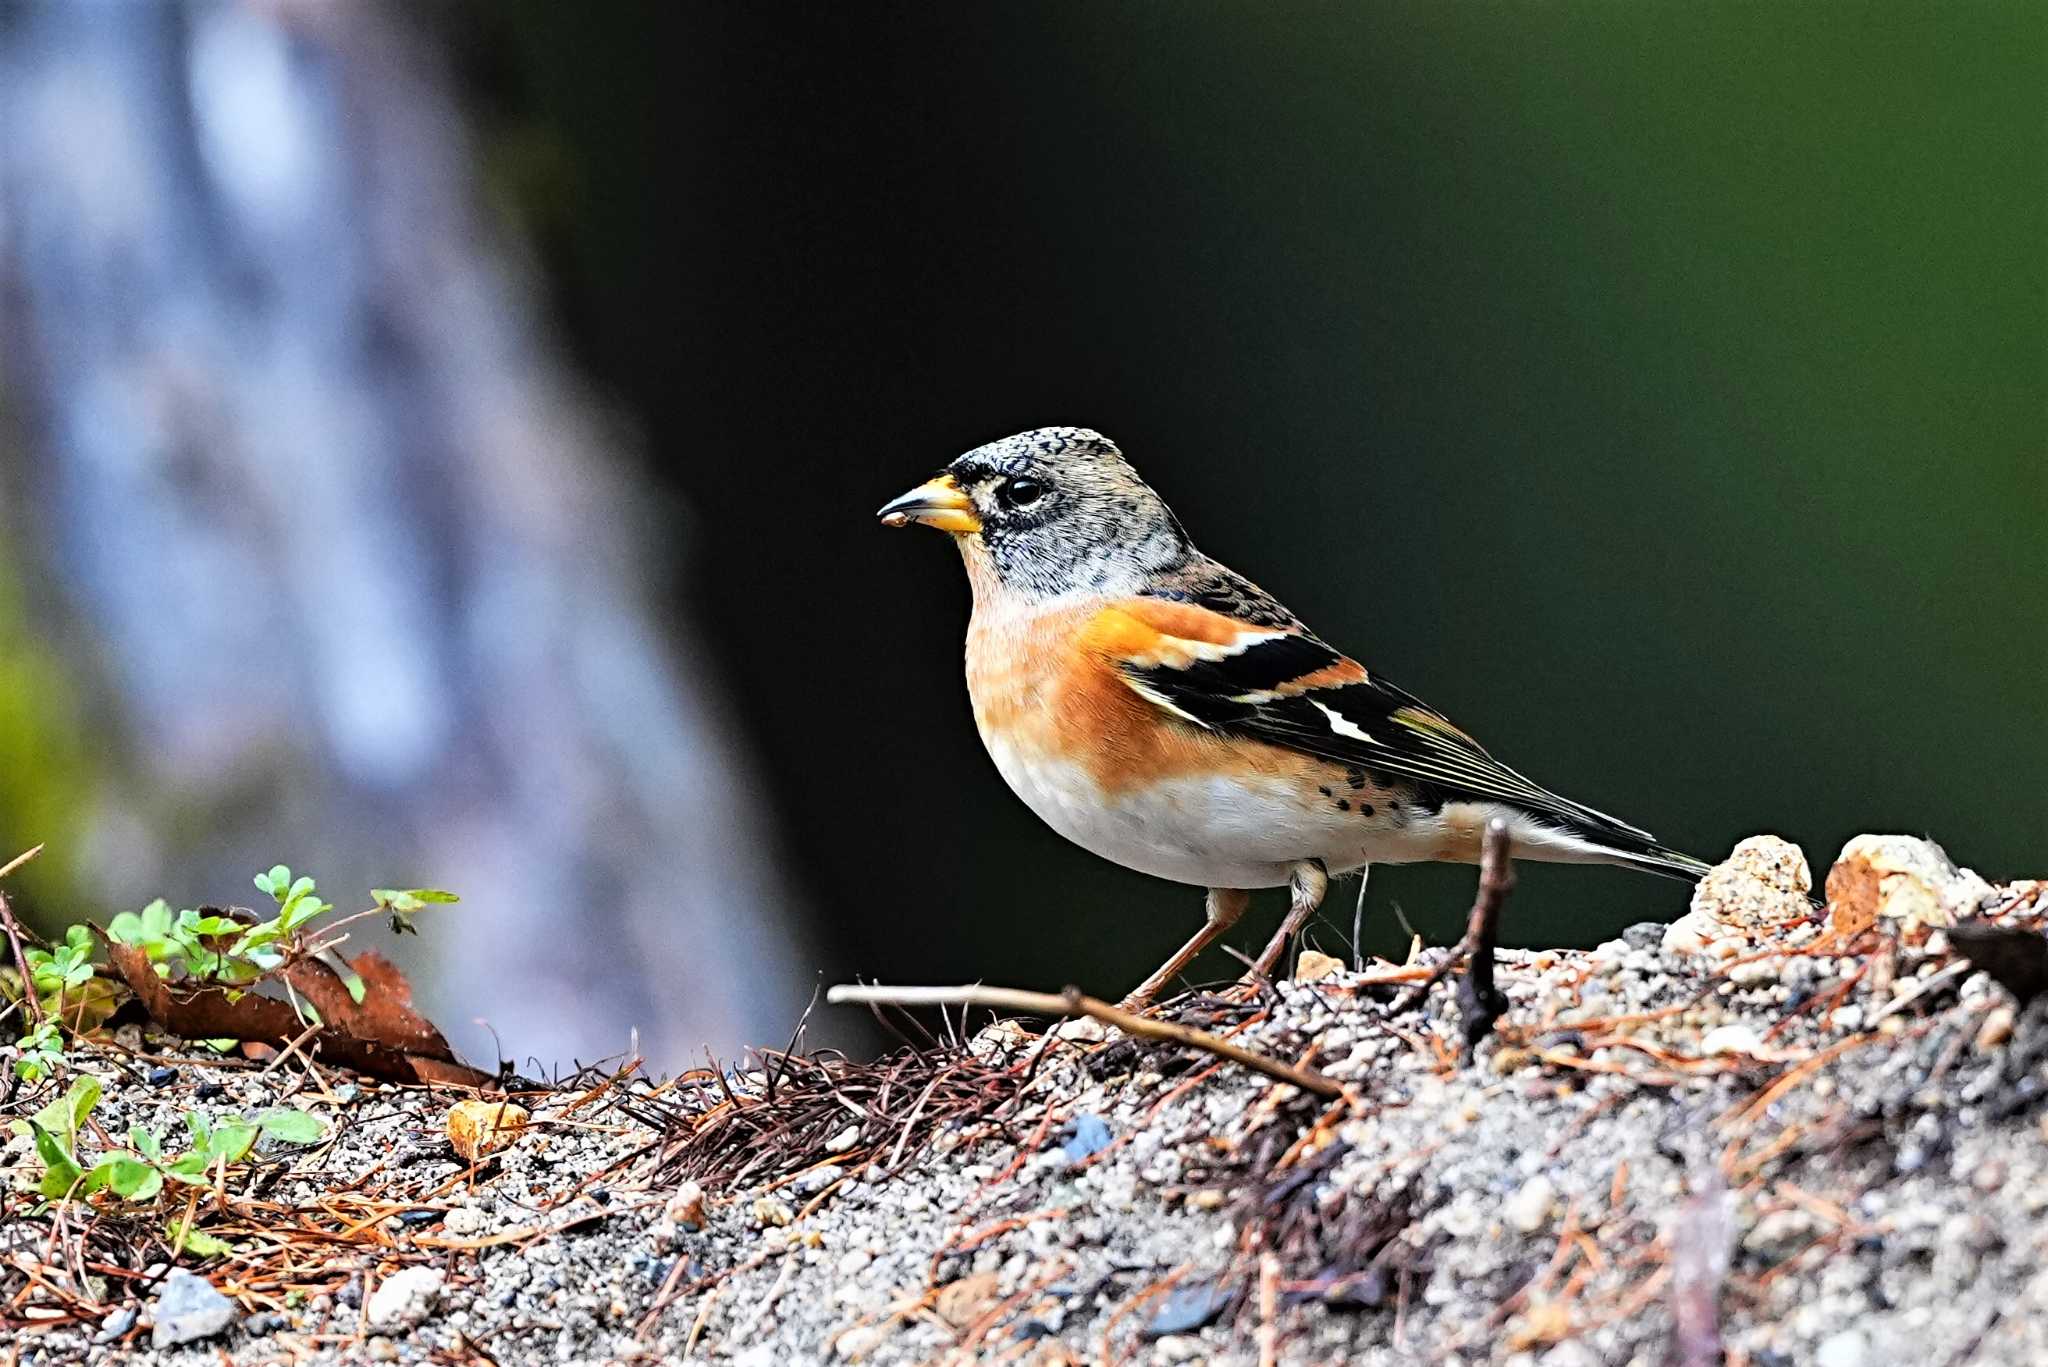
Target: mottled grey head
[{"x": 1049, "y": 512}]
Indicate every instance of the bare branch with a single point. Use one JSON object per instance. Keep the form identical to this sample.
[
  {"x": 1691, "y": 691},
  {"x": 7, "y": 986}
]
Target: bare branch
[
  {"x": 1073, "y": 1002},
  {"x": 30, "y": 1005},
  {"x": 1480, "y": 1001}
]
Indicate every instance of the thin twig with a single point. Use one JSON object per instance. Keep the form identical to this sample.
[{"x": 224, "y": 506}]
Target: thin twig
[
  {"x": 1358, "y": 921},
  {"x": 290, "y": 1049},
  {"x": 1073, "y": 1002},
  {"x": 20, "y": 859},
  {"x": 1480, "y": 1001},
  {"x": 1269, "y": 1305},
  {"x": 33, "y": 1007}
]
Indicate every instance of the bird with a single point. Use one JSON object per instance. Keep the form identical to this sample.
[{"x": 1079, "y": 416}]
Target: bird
[{"x": 1162, "y": 711}]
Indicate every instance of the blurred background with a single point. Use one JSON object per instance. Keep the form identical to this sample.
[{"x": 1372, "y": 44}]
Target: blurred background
[{"x": 438, "y": 444}]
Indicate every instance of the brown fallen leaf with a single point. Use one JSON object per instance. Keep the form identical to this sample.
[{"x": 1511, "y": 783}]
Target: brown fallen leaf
[
  {"x": 385, "y": 1014},
  {"x": 406, "y": 1055}
]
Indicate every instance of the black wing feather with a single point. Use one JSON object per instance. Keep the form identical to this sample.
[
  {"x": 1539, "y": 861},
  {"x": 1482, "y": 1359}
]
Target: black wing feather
[{"x": 1375, "y": 725}]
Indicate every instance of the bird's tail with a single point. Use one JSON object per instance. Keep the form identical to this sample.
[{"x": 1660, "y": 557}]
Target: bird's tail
[
  {"x": 1657, "y": 859},
  {"x": 1599, "y": 837}
]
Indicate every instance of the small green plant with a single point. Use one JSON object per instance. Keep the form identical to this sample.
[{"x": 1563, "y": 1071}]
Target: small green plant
[
  {"x": 194, "y": 946},
  {"x": 41, "y": 1050},
  {"x": 403, "y": 903},
  {"x": 62, "y": 991},
  {"x": 137, "y": 1174},
  {"x": 68, "y": 966}
]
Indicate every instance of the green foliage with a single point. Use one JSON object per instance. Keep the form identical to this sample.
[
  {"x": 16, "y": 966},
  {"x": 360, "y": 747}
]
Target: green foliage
[
  {"x": 402, "y": 903},
  {"x": 296, "y": 903},
  {"x": 60, "y": 1169},
  {"x": 148, "y": 929},
  {"x": 41, "y": 1051},
  {"x": 137, "y": 1174},
  {"x": 67, "y": 966},
  {"x": 64, "y": 1117},
  {"x": 229, "y": 1142},
  {"x": 207, "y": 946},
  {"x": 291, "y": 1126},
  {"x": 66, "y": 994},
  {"x": 185, "y": 1239},
  {"x": 195, "y": 945}
]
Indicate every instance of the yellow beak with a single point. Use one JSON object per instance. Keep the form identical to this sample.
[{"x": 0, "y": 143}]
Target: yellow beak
[{"x": 937, "y": 503}]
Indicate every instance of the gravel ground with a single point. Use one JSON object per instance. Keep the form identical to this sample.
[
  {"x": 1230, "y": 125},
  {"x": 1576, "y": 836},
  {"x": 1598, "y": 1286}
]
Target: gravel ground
[{"x": 1785, "y": 1144}]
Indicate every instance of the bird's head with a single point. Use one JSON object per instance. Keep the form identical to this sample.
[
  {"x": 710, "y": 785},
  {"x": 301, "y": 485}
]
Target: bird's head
[{"x": 1046, "y": 513}]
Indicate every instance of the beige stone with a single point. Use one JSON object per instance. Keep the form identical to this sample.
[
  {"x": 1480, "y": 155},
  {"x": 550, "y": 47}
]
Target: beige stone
[
  {"x": 960, "y": 1303},
  {"x": 1314, "y": 965},
  {"x": 1763, "y": 884},
  {"x": 476, "y": 1128},
  {"x": 1903, "y": 885}
]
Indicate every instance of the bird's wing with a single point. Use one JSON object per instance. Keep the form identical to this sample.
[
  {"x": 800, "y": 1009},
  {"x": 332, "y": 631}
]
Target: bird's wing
[{"x": 1283, "y": 686}]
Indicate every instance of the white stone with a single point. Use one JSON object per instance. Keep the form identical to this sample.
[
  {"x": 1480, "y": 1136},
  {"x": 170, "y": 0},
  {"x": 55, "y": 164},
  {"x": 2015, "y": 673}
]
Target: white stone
[
  {"x": 1730, "y": 1039},
  {"x": 1571, "y": 1353},
  {"x": 463, "y": 1220},
  {"x": 1528, "y": 1210},
  {"x": 1846, "y": 1349},
  {"x": 405, "y": 1297}
]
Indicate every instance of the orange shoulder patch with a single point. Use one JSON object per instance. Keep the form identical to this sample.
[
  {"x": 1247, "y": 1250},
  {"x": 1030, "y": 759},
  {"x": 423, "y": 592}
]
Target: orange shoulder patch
[{"x": 1149, "y": 633}]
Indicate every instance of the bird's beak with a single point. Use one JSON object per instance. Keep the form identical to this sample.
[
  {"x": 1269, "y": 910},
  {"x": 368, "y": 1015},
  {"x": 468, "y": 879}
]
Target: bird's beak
[{"x": 937, "y": 503}]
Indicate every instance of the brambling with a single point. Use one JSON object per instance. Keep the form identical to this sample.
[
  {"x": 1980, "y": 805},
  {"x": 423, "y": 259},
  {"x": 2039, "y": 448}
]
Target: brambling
[{"x": 1163, "y": 711}]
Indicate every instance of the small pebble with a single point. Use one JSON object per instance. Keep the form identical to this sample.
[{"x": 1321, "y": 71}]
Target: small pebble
[
  {"x": 814, "y": 1180},
  {"x": 686, "y": 1207},
  {"x": 1087, "y": 1135},
  {"x": 187, "y": 1308},
  {"x": 405, "y": 1297},
  {"x": 1528, "y": 1210},
  {"x": 1996, "y": 1028},
  {"x": 463, "y": 1221},
  {"x": 116, "y": 1324},
  {"x": 1846, "y": 1349},
  {"x": 1731, "y": 1039}
]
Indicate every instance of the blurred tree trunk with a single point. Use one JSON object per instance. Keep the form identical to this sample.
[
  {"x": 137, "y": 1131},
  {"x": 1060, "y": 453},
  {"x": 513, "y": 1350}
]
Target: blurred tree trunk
[{"x": 339, "y": 543}]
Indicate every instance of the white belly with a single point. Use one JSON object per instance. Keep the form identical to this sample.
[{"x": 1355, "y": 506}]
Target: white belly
[
  {"x": 1210, "y": 832},
  {"x": 1250, "y": 833}
]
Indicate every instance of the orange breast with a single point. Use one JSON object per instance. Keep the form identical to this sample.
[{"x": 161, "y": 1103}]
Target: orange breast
[{"x": 1047, "y": 686}]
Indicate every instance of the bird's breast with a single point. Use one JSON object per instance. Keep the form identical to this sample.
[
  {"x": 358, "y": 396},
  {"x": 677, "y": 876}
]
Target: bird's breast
[{"x": 1120, "y": 777}]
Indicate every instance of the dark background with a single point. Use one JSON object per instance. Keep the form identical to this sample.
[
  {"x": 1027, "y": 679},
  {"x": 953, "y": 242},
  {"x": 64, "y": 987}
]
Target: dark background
[
  {"x": 1659, "y": 391},
  {"x": 439, "y": 445}
]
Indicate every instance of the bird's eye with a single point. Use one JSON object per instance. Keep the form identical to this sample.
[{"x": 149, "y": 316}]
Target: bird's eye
[{"x": 1021, "y": 493}]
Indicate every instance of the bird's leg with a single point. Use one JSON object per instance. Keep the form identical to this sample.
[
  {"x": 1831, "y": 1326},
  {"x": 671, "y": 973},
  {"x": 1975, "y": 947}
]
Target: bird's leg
[
  {"x": 1305, "y": 887},
  {"x": 1224, "y": 906}
]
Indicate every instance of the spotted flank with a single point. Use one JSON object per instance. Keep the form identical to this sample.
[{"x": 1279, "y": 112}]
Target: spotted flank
[{"x": 1291, "y": 690}]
